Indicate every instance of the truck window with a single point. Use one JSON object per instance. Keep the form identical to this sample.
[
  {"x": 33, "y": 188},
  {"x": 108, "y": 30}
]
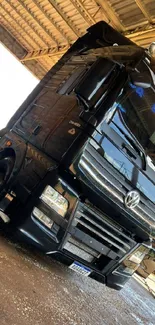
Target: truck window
[{"x": 99, "y": 77}]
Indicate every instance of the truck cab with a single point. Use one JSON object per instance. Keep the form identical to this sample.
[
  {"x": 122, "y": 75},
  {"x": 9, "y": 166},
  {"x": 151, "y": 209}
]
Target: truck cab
[{"x": 77, "y": 173}]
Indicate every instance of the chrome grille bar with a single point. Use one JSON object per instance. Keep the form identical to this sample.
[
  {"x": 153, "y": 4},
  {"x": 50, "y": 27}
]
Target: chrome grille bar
[
  {"x": 97, "y": 169},
  {"x": 101, "y": 236},
  {"x": 103, "y": 230}
]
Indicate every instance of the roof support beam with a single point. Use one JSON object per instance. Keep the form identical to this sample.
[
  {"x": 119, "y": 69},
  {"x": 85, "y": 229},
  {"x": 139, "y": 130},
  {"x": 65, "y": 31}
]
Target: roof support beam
[
  {"x": 51, "y": 20},
  {"x": 83, "y": 11},
  {"x": 142, "y": 31},
  {"x": 141, "y": 37},
  {"x": 50, "y": 52},
  {"x": 11, "y": 43},
  {"x": 30, "y": 12},
  {"x": 111, "y": 14},
  {"x": 144, "y": 10},
  {"x": 26, "y": 22},
  {"x": 13, "y": 23},
  {"x": 63, "y": 15},
  {"x": 19, "y": 52}
]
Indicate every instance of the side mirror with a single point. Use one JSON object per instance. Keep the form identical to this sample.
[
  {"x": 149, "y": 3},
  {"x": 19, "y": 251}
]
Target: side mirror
[{"x": 151, "y": 50}]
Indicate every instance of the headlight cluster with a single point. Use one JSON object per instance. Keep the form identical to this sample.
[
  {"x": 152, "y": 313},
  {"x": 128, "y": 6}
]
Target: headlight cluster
[{"x": 55, "y": 201}]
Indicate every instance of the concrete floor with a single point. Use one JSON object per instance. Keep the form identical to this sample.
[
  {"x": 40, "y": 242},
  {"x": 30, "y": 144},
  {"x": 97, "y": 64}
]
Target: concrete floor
[{"x": 36, "y": 290}]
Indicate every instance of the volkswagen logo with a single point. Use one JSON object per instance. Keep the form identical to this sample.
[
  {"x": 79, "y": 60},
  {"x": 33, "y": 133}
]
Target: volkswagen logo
[{"x": 132, "y": 199}]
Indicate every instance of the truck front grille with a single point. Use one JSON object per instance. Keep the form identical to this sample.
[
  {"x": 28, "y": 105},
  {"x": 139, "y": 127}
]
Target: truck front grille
[
  {"x": 103, "y": 230},
  {"x": 94, "y": 237}
]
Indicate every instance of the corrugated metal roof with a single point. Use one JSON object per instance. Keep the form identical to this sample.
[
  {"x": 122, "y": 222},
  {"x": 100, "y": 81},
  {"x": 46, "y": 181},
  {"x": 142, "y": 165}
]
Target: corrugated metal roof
[{"x": 38, "y": 32}]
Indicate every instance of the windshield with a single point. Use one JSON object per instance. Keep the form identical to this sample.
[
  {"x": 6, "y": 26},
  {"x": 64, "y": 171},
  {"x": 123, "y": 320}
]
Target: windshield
[
  {"x": 132, "y": 117},
  {"x": 137, "y": 108}
]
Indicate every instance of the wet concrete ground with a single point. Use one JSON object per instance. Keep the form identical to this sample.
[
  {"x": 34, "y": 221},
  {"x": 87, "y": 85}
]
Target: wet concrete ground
[{"x": 36, "y": 290}]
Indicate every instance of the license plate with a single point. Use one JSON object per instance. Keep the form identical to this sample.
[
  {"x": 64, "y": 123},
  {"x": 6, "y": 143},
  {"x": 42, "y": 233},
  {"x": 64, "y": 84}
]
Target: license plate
[{"x": 79, "y": 268}]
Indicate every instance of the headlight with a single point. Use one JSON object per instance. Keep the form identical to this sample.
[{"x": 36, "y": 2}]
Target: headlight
[
  {"x": 42, "y": 217},
  {"x": 55, "y": 200}
]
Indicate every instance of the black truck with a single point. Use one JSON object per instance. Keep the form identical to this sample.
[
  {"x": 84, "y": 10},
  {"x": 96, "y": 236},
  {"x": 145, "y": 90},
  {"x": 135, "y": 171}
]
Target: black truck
[{"x": 77, "y": 171}]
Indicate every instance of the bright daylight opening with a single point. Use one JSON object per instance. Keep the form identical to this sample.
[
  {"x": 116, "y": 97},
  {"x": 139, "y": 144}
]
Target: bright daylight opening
[{"x": 16, "y": 83}]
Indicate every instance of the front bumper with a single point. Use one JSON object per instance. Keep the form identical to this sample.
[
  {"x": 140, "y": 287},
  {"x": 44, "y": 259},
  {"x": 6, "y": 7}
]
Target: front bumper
[{"x": 86, "y": 236}]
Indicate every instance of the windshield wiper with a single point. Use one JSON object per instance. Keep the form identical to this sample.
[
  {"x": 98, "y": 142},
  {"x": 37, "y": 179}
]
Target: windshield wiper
[{"x": 136, "y": 145}]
